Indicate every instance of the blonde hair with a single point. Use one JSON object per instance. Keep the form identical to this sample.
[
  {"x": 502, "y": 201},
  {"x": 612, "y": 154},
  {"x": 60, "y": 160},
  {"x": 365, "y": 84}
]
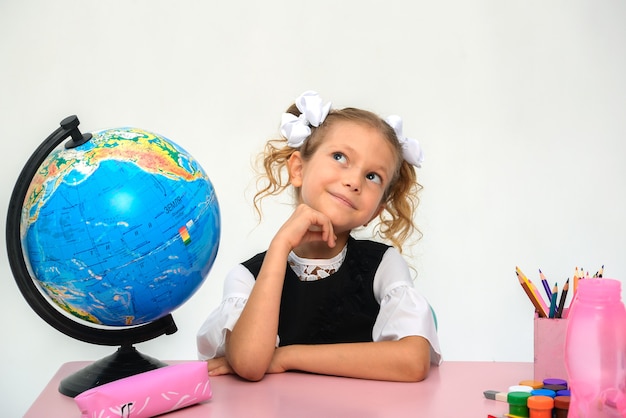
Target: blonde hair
[{"x": 395, "y": 222}]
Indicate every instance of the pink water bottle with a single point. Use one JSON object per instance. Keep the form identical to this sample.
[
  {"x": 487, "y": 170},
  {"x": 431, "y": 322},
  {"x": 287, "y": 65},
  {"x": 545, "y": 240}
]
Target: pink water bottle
[{"x": 595, "y": 350}]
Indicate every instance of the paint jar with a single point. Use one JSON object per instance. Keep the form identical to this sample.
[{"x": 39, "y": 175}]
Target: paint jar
[
  {"x": 555, "y": 381},
  {"x": 561, "y": 406},
  {"x": 543, "y": 392},
  {"x": 518, "y": 403},
  {"x": 540, "y": 406}
]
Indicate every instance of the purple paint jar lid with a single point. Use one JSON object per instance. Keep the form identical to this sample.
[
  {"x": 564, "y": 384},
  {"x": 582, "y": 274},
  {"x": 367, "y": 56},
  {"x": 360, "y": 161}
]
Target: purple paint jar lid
[{"x": 552, "y": 381}]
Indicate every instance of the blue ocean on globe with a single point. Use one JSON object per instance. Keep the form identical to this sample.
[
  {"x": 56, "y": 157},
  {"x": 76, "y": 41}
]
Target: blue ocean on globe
[{"x": 121, "y": 230}]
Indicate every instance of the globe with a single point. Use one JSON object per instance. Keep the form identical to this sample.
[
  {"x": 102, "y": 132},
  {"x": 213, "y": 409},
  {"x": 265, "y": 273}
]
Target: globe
[
  {"x": 122, "y": 229},
  {"x": 111, "y": 233}
]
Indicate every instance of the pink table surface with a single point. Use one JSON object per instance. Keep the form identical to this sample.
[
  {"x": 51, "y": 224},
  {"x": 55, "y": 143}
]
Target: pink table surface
[{"x": 454, "y": 389}]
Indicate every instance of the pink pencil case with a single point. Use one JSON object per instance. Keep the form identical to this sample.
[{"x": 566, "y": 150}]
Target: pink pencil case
[{"x": 148, "y": 394}]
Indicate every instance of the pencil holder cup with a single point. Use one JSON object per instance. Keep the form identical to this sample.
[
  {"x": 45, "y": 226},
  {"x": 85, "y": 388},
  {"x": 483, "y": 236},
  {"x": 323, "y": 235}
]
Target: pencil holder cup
[{"x": 549, "y": 344}]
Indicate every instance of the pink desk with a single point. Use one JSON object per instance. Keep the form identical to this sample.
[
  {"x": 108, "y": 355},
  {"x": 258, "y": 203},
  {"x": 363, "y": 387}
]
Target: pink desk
[{"x": 455, "y": 389}]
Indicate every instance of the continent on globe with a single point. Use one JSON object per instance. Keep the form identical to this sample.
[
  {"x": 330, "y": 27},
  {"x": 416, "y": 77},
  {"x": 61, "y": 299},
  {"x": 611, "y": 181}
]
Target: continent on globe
[{"x": 122, "y": 229}]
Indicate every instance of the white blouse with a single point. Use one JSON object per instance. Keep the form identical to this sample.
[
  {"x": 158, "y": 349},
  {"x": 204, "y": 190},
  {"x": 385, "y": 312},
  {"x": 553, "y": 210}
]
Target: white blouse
[{"x": 403, "y": 311}]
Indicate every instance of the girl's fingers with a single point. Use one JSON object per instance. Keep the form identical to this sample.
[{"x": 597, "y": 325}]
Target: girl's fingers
[
  {"x": 218, "y": 366},
  {"x": 307, "y": 225}
]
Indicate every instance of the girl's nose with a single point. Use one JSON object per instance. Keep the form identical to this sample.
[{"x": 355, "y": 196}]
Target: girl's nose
[
  {"x": 351, "y": 181},
  {"x": 352, "y": 188}
]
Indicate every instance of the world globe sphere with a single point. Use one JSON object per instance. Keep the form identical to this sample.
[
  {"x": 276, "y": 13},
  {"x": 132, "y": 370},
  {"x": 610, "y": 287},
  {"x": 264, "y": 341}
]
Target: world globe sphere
[{"x": 120, "y": 230}]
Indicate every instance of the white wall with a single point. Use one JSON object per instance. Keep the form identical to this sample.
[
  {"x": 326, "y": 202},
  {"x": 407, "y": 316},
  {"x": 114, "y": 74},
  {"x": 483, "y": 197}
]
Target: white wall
[{"x": 520, "y": 106}]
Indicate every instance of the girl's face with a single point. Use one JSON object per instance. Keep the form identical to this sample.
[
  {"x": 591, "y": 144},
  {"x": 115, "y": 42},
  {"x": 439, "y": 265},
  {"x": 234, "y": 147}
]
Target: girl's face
[{"x": 347, "y": 176}]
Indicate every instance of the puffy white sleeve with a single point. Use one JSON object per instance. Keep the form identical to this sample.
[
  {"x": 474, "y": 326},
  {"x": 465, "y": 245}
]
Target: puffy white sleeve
[
  {"x": 403, "y": 310},
  {"x": 211, "y": 337}
]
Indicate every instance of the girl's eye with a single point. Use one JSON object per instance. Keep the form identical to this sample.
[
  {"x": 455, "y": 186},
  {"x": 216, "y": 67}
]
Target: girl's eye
[
  {"x": 374, "y": 177},
  {"x": 337, "y": 156}
]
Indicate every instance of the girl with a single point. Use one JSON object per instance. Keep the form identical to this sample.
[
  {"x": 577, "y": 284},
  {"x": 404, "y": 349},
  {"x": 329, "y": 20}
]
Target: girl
[{"x": 319, "y": 300}]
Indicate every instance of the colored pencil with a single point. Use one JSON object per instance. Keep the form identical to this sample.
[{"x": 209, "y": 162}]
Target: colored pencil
[
  {"x": 530, "y": 285},
  {"x": 540, "y": 299},
  {"x": 525, "y": 285},
  {"x": 559, "y": 311},
  {"x": 555, "y": 292},
  {"x": 536, "y": 295},
  {"x": 546, "y": 285}
]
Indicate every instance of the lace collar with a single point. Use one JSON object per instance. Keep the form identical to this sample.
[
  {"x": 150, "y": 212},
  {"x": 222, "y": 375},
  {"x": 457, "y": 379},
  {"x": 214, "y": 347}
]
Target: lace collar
[{"x": 308, "y": 269}]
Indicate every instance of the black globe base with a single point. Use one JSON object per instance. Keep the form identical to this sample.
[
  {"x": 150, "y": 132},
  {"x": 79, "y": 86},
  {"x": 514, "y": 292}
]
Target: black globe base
[{"x": 125, "y": 362}]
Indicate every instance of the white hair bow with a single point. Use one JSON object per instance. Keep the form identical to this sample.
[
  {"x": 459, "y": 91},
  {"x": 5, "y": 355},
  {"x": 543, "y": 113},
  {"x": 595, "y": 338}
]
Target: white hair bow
[
  {"x": 313, "y": 112},
  {"x": 411, "y": 150}
]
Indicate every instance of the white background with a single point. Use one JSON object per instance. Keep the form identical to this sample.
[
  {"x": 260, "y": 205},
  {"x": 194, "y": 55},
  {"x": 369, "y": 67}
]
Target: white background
[{"x": 519, "y": 105}]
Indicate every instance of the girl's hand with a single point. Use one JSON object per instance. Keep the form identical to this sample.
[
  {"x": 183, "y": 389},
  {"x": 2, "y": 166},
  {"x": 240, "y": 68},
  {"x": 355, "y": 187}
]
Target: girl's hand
[
  {"x": 218, "y": 366},
  {"x": 306, "y": 225},
  {"x": 276, "y": 365}
]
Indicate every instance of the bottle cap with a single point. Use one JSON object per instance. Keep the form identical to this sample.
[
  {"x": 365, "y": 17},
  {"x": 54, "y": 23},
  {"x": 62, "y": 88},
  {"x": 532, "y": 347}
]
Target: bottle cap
[
  {"x": 520, "y": 388},
  {"x": 555, "y": 381},
  {"x": 562, "y": 402},
  {"x": 540, "y": 402},
  {"x": 564, "y": 392},
  {"x": 604, "y": 290},
  {"x": 543, "y": 392},
  {"x": 518, "y": 398},
  {"x": 535, "y": 384}
]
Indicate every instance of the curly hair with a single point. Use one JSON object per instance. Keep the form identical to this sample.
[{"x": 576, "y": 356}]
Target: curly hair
[{"x": 395, "y": 222}]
